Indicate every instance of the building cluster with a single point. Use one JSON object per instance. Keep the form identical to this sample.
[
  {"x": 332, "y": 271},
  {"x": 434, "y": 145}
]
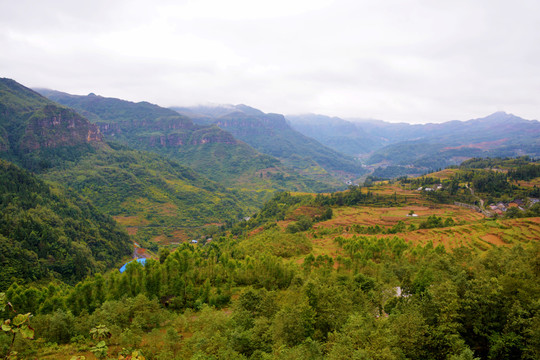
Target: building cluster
[{"x": 501, "y": 207}]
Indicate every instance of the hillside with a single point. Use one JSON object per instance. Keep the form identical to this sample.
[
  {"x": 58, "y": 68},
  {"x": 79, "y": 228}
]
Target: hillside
[
  {"x": 272, "y": 135},
  {"x": 402, "y": 269},
  {"x": 47, "y": 232},
  {"x": 205, "y": 148},
  {"x": 354, "y": 274},
  {"x": 151, "y": 195},
  {"x": 39, "y": 133}
]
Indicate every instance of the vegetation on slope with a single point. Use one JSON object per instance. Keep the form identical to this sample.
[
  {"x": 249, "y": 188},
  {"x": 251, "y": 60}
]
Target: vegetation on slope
[
  {"x": 432, "y": 286},
  {"x": 205, "y": 148},
  {"x": 157, "y": 195},
  {"x": 385, "y": 299},
  {"x": 37, "y": 133},
  {"x": 272, "y": 135},
  {"x": 483, "y": 181},
  {"x": 49, "y": 233},
  {"x": 147, "y": 192}
]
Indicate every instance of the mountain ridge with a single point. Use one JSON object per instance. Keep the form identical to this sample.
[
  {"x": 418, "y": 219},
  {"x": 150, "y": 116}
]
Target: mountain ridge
[
  {"x": 155, "y": 194},
  {"x": 271, "y": 134},
  {"x": 206, "y": 148},
  {"x": 422, "y": 147}
]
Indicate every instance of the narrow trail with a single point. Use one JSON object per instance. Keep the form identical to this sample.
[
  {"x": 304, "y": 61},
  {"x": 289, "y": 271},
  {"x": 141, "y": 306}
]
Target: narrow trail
[{"x": 472, "y": 193}]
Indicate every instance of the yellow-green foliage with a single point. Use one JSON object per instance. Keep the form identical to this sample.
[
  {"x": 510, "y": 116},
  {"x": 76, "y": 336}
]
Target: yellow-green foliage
[{"x": 276, "y": 242}]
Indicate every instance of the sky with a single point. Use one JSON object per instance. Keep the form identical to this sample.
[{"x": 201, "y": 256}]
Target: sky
[{"x": 394, "y": 60}]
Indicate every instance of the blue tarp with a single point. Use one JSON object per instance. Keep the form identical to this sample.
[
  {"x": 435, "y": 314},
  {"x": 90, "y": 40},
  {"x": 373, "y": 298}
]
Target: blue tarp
[{"x": 140, "y": 261}]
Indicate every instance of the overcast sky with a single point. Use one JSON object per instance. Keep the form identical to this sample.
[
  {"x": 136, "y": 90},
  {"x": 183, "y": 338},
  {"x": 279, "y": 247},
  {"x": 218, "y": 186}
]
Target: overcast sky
[{"x": 402, "y": 60}]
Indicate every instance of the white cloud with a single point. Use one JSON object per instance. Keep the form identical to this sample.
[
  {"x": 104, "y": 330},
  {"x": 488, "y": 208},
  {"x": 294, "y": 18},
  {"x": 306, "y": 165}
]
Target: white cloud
[{"x": 398, "y": 60}]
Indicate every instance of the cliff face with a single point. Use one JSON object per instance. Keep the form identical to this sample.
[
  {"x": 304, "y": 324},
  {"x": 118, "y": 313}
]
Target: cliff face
[
  {"x": 169, "y": 133},
  {"x": 271, "y": 134},
  {"x": 141, "y": 124},
  {"x": 211, "y": 135},
  {"x": 30, "y": 122},
  {"x": 54, "y": 126},
  {"x": 127, "y": 126}
]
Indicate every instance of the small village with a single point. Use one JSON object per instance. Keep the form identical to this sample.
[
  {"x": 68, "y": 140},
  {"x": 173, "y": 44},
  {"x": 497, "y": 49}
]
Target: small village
[{"x": 494, "y": 209}]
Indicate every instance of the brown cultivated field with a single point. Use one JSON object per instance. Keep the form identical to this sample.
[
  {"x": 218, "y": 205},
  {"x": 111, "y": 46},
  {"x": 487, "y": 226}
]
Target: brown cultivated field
[
  {"x": 444, "y": 174},
  {"x": 530, "y": 183},
  {"x": 480, "y": 235},
  {"x": 389, "y": 216},
  {"x": 477, "y": 233},
  {"x": 472, "y": 229},
  {"x": 173, "y": 237}
]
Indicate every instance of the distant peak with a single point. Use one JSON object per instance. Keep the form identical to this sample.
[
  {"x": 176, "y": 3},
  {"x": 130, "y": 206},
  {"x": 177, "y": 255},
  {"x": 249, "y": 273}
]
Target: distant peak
[
  {"x": 248, "y": 110},
  {"x": 499, "y": 115}
]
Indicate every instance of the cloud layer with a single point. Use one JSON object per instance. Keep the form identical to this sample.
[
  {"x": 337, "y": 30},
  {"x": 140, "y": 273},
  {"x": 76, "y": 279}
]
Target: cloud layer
[{"x": 413, "y": 61}]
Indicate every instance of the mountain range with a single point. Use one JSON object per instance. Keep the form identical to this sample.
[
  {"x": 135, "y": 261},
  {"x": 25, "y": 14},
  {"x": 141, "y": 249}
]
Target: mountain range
[
  {"x": 271, "y": 134},
  {"x": 218, "y": 154},
  {"x": 417, "y": 148},
  {"x": 148, "y": 193}
]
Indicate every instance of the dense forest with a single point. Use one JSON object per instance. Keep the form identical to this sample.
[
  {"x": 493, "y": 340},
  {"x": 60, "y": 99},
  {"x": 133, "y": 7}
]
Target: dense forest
[
  {"x": 46, "y": 233},
  {"x": 384, "y": 300}
]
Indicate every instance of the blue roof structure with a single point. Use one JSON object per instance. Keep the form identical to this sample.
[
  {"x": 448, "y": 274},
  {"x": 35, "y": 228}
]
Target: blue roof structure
[{"x": 140, "y": 261}]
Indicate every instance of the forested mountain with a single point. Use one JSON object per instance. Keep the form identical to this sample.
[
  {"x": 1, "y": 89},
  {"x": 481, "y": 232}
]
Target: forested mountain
[
  {"x": 39, "y": 133},
  {"x": 151, "y": 194},
  {"x": 421, "y": 147},
  {"x": 205, "y": 148},
  {"x": 272, "y": 135},
  {"x": 410, "y": 269},
  {"x": 47, "y": 232}
]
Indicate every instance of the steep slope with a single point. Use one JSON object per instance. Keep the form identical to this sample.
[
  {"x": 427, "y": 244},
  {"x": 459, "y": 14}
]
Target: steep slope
[
  {"x": 205, "y": 148},
  {"x": 272, "y": 135},
  {"x": 152, "y": 194},
  {"x": 48, "y": 232},
  {"x": 39, "y": 133}
]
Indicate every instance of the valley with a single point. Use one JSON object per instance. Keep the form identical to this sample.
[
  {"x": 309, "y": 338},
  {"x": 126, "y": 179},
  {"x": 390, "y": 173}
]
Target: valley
[
  {"x": 269, "y": 180},
  {"x": 254, "y": 247}
]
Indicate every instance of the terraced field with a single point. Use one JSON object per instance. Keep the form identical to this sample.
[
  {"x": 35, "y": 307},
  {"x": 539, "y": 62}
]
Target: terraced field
[
  {"x": 480, "y": 235},
  {"x": 472, "y": 229},
  {"x": 444, "y": 174},
  {"x": 389, "y": 216}
]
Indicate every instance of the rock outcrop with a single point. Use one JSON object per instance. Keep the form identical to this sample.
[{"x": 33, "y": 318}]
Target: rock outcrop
[{"x": 54, "y": 126}]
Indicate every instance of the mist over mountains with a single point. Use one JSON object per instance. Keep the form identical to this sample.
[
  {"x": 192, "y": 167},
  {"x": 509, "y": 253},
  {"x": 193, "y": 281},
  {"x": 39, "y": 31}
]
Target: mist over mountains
[
  {"x": 272, "y": 134},
  {"x": 241, "y": 145},
  {"x": 416, "y": 148},
  {"x": 208, "y": 149}
]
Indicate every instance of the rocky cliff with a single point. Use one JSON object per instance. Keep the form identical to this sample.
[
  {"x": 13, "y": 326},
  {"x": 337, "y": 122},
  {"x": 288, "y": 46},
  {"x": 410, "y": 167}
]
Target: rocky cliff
[
  {"x": 54, "y": 126},
  {"x": 30, "y": 122},
  {"x": 141, "y": 124}
]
